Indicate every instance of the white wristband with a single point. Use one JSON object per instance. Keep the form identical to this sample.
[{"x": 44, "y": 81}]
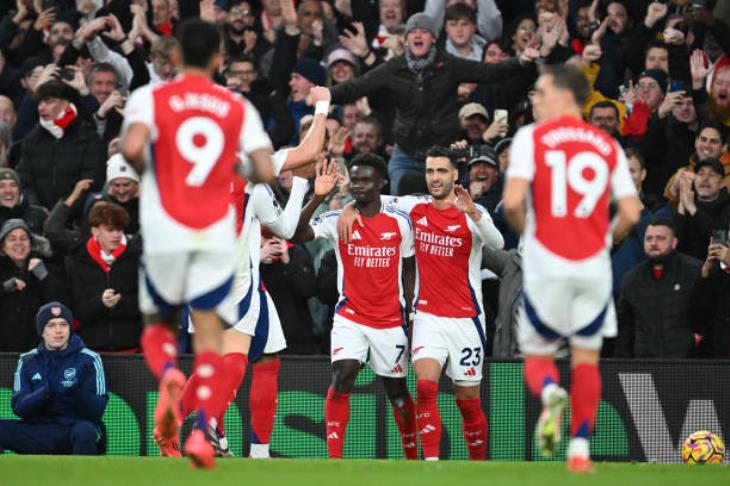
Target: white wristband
[{"x": 322, "y": 108}]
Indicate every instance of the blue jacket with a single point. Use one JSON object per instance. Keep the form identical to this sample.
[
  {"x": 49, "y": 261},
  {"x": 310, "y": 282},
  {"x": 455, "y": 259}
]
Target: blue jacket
[{"x": 60, "y": 386}]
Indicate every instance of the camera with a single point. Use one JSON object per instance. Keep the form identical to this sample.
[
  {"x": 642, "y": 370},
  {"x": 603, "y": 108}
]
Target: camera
[
  {"x": 719, "y": 237},
  {"x": 467, "y": 153}
]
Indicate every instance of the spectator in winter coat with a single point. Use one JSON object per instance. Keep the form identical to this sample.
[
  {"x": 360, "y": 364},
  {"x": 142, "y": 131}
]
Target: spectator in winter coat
[
  {"x": 59, "y": 392},
  {"x": 14, "y": 205},
  {"x": 122, "y": 187},
  {"x": 60, "y": 150},
  {"x": 26, "y": 284},
  {"x": 653, "y": 311},
  {"x": 104, "y": 279}
]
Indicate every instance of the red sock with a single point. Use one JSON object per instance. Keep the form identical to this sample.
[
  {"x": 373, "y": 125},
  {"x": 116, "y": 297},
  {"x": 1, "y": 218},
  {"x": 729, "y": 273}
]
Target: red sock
[
  {"x": 188, "y": 402},
  {"x": 336, "y": 414},
  {"x": 210, "y": 391},
  {"x": 428, "y": 417},
  {"x": 540, "y": 372},
  {"x": 405, "y": 418},
  {"x": 474, "y": 426},
  {"x": 585, "y": 392},
  {"x": 235, "y": 366},
  {"x": 262, "y": 400},
  {"x": 160, "y": 349}
]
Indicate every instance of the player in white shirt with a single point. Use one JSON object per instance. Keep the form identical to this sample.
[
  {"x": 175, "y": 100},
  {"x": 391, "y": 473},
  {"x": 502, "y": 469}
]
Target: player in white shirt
[{"x": 563, "y": 174}]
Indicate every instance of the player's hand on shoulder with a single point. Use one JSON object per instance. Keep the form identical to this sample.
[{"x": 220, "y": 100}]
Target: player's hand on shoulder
[{"x": 347, "y": 220}]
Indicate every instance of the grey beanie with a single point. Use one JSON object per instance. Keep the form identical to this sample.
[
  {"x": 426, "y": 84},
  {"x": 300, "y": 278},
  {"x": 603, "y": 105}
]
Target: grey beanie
[
  {"x": 421, "y": 21},
  {"x": 12, "y": 224}
]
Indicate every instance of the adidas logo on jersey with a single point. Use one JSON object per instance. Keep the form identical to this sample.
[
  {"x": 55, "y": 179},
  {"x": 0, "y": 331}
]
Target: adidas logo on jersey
[
  {"x": 337, "y": 350},
  {"x": 387, "y": 235},
  {"x": 333, "y": 436},
  {"x": 428, "y": 428},
  {"x": 470, "y": 372},
  {"x": 37, "y": 376},
  {"x": 423, "y": 221},
  {"x": 416, "y": 350},
  {"x": 356, "y": 235},
  {"x": 452, "y": 228},
  {"x": 397, "y": 369}
]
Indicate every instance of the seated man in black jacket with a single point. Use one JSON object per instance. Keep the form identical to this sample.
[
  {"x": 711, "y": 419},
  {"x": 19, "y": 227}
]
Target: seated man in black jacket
[
  {"x": 103, "y": 276},
  {"x": 59, "y": 392}
]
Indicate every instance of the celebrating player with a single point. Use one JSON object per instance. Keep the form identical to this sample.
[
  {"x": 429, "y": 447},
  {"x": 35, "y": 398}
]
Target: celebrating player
[
  {"x": 450, "y": 231},
  {"x": 257, "y": 337},
  {"x": 192, "y": 130},
  {"x": 369, "y": 322},
  {"x": 562, "y": 176}
]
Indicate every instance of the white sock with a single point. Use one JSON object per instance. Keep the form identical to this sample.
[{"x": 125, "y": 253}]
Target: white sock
[
  {"x": 547, "y": 391},
  {"x": 431, "y": 458},
  {"x": 578, "y": 447},
  {"x": 259, "y": 451}
]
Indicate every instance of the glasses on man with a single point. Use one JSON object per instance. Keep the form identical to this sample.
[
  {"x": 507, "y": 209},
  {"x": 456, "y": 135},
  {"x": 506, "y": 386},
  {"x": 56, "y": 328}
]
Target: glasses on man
[{"x": 240, "y": 12}]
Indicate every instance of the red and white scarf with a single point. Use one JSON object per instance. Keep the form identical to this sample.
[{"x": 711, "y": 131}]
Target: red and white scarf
[
  {"x": 57, "y": 127},
  {"x": 104, "y": 259}
]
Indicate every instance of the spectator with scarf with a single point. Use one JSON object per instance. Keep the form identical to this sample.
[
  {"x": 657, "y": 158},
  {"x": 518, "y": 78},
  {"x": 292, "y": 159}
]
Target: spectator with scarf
[{"x": 103, "y": 276}]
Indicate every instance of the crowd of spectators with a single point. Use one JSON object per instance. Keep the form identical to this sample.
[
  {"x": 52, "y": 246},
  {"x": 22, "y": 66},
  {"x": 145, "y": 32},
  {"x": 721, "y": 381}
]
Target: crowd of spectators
[{"x": 405, "y": 75}]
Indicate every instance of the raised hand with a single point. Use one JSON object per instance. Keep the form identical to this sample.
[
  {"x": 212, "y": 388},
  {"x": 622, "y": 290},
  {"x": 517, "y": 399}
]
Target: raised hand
[
  {"x": 45, "y": 18},
  {"x": 355, "y": 43},
  {"x": 115, "y": 32},
  {"x": 655, "y": 13},
  {"x": 318, "y": 93},
  {"x": 337, "y": 142},
  {"x": 326, "y": 178},
  {"x": 591, "y": 53},
  {"x": 698, "y": 68},
  {"x": 464, "y": 203}
]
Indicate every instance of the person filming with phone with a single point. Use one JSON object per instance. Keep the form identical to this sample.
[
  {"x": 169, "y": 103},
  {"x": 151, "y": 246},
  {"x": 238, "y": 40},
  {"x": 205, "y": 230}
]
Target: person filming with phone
[{"x": 710, "y": 301}]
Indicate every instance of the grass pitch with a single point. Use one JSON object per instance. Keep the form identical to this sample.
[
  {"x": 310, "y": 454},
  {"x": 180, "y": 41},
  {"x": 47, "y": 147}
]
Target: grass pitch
[{"x": 139, "y": 471}]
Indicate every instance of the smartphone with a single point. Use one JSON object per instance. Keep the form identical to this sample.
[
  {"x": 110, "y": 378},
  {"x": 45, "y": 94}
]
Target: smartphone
[
  {"x": 719, "y": 237},
  {"x": 349, "y": 28},
  {"x": 501, "y": 115},
  {"x": 676, "y": 85}
]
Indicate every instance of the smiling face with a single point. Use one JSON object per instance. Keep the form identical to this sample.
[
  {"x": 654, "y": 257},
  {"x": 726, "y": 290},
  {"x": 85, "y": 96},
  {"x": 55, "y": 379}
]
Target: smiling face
[
  {"x": 366, "y": 137},
  {"x": 16, "y": 245},
  {"x": 419, "y": 41},
  {"x": 494, "y": 54},
  {"x": 483, "y": 172},
  {"x": 300, "y": 87},
  {"x": 523, "y": 35},
  {"x": 102, "y": 84},
  {"x": 720, "y": 93},
  {"x": 342, "y": 71},
  {"x": 708, "y": 143},
  {"x": 56, "y": 334},
  {"x": 123, "y": 189},
  {"x": 618, "y": 17},
  {"x": 440, "y": 177},
  {"x": 9, "y": 193}
]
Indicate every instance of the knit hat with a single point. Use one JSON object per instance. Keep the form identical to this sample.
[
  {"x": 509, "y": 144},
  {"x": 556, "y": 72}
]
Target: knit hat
[
  {"x": 50, "y": 311},
  {"x": 12, "y": 224},
  {"x": 421, "y": 21},
  {"x": 117, "y": 167},
  {"x": 657, "y": 75},
  {"x": 9, "y": 174},
  {"x": 713, "y": 164},
  {"x": 311, "y": 70}
]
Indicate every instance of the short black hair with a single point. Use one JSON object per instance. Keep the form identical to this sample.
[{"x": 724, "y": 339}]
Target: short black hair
[
  {"x": 633, "y": 153},
  {"x": 200, "y": 41},
  {"x": 662, "y": 221},
  {"x": 102, "y": 67},
  {"x": 715, "y": 125},
  {"x": 460, "y": 11},
  {"x": 569, "y": 78},
  {"x": 370, "y": 160},
  {"x": 54, "y": 88},
  {"x": 439, "y": 151},
  {"x": 604, "y": 104},
  {"x": 656, "y": 44}
]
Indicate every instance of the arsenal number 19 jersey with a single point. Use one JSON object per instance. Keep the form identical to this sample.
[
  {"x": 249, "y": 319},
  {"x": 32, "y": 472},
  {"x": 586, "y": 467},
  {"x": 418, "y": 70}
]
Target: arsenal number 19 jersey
[
  {"x": 575, "y": 170},
  {"x": 369, "y": 268}
]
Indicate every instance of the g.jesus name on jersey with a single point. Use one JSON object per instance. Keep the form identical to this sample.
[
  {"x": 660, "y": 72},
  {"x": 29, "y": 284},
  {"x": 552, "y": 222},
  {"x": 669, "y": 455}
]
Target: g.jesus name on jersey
[
  {"x": 448, "y": 247},
  {"x": 370, "y": 267},
  {"x": 196, "y": 129},
  {"x": 574, "y": 169}
]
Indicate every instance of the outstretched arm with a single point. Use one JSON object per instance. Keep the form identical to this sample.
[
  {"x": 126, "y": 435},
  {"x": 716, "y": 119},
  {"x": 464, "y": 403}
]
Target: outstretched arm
[
  {"x": 313, "y": 141},
  {"x": 324, "y": 183}
]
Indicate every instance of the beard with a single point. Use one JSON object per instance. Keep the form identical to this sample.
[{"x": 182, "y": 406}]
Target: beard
[
  {"x": 662, "y": 259},
  {"x": 720, "y": 109}
]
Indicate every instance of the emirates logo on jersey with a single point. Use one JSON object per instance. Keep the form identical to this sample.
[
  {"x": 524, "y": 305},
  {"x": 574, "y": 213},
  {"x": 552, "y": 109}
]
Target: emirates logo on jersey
[
  {"x": 371, "y": 256},
  {"x": 437, "y": 245}
]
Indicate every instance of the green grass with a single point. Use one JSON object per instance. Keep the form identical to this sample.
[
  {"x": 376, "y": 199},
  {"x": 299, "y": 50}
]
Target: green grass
[{"x": 139, "y": 471}]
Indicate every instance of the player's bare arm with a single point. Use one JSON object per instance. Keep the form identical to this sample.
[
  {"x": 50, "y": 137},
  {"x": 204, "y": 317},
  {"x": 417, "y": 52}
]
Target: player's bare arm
[
  {"x": 513, "y": 202},
  {"x": 313, "y": 142},
  {"x": 324, "y": 183},
  {"x": 263, "y": 168},
  {"x": 629, "y": 213},
  {"x": 134, "y": 143}
]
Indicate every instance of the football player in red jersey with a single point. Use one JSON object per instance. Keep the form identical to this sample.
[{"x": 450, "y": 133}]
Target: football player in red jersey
[
  {"x": 375, "y": 274},
  {"x": 563, "y": 175},
  {"x": 187, "y": 133}
]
